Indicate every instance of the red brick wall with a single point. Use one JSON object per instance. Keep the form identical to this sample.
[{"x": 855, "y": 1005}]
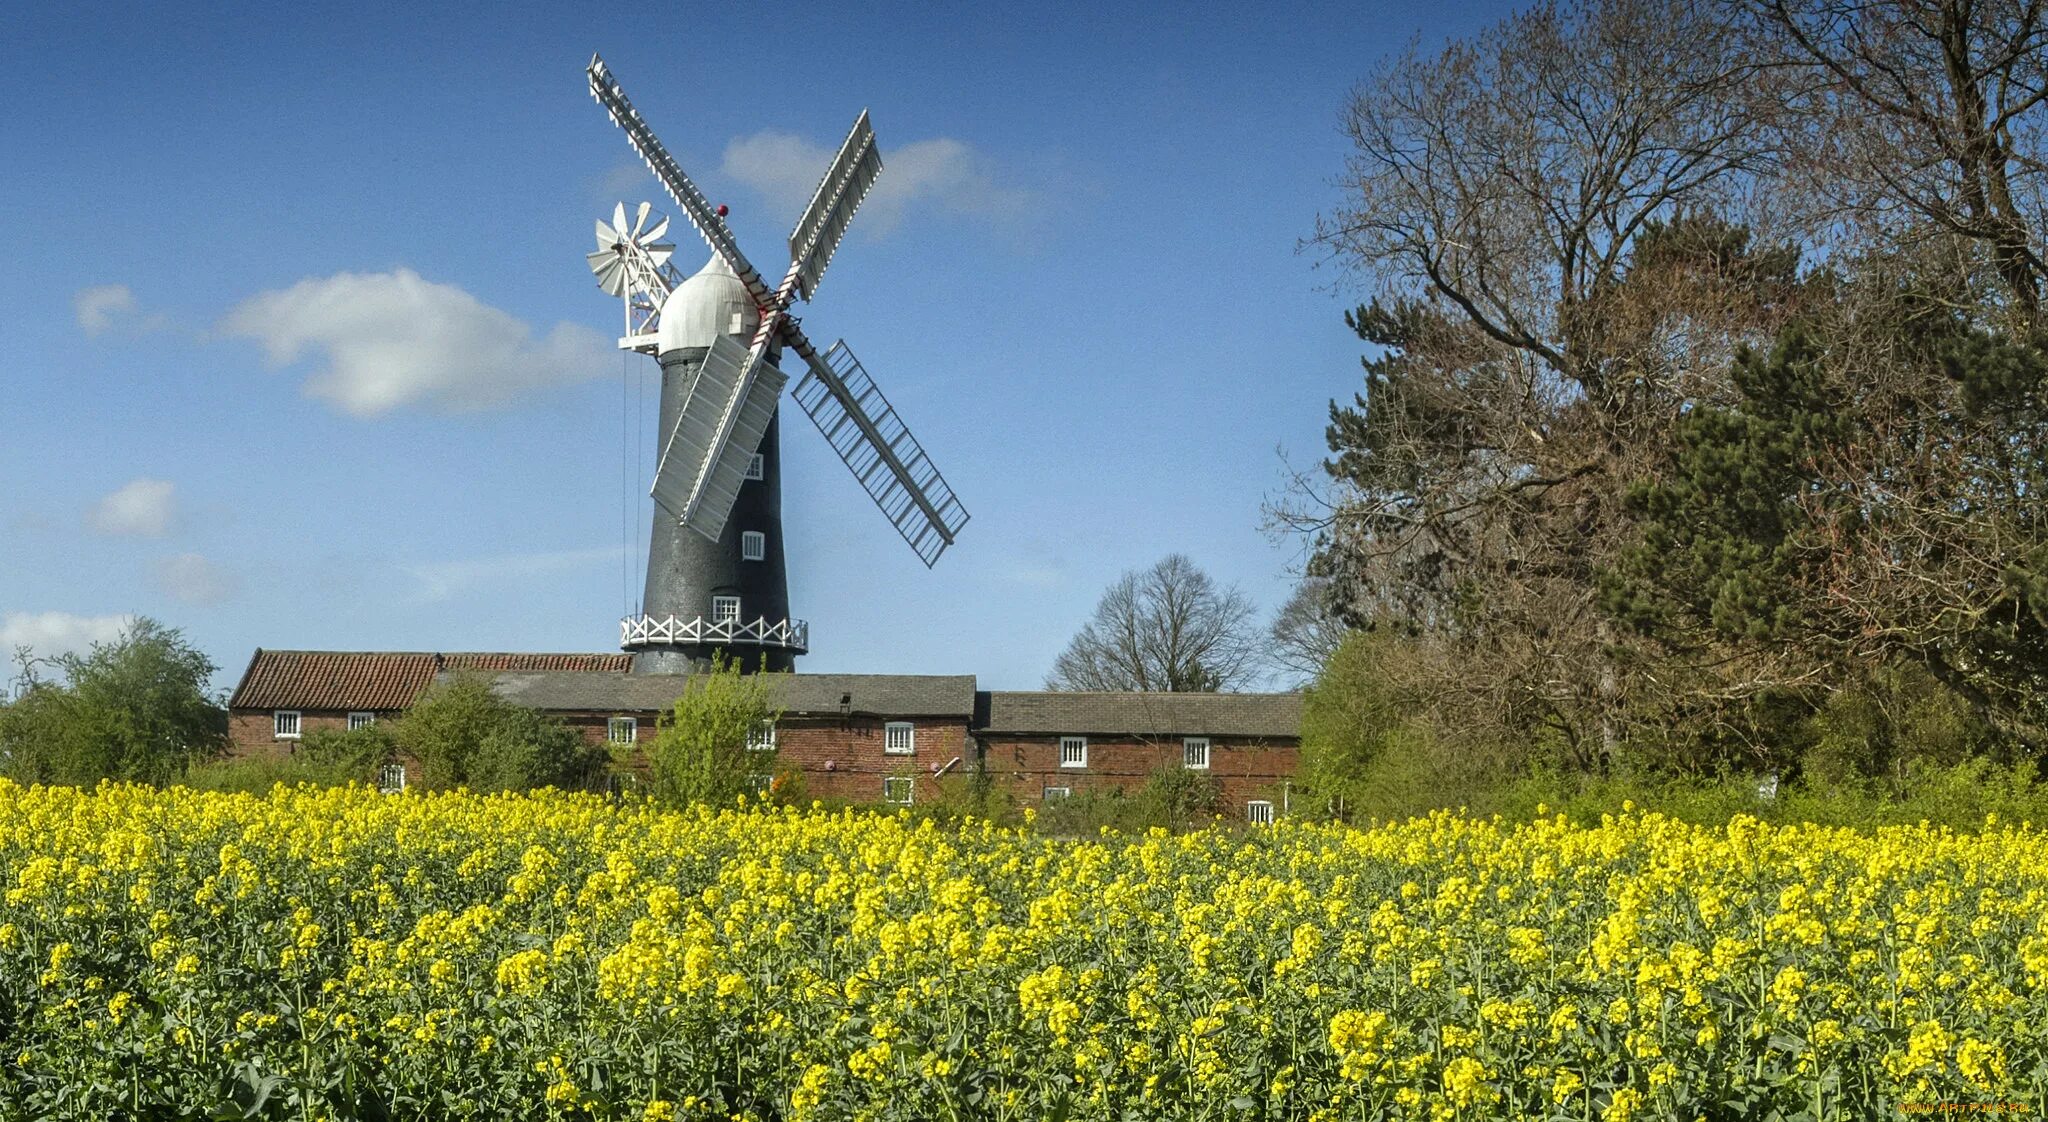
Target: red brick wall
[
  {"x": 1244, "y": 769},
  {"x": 839, "y": 758},
  {"x": 842, "y": 759},
  {"x": 253, "y": 732}
]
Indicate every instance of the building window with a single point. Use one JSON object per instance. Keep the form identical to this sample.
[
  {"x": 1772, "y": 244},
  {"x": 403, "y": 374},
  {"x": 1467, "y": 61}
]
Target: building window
[
  {"x": 1194, "y": 753},
  {"x": 725, "y": 609},
  {"x": 1259, "y": 812},
  {"x": 753, "y": 545},
  {"x": 763, "y": 785},
  {"x": 391, "y": 778},
  {"x": 899, "y": 738},
  {"x": 622, "y": 730},
  {"x": 762, "y": 739},
  {"x": 1073, "y": 751},
  {"x": 361, "y": 721},
  {"x": 1052, "y": 793},
  {"x": 896, "y": 789},
  {"x": 284, "y": 723},
  {"x": 755, "y": 467}
]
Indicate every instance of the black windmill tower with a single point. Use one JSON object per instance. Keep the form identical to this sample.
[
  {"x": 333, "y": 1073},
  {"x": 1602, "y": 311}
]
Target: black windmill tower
[{"x": 716, "y": 577}]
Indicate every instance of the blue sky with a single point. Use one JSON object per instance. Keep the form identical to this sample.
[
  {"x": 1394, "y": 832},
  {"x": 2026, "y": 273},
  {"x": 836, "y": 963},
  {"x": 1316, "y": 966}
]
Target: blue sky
[{"x": 300, "y": 350}]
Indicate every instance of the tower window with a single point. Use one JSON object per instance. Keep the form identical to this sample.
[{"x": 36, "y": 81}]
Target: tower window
[
  {"x": 756, "y": 467},
  {"x": 753, "y": 545},
  {"x": 725, "y": 609}
]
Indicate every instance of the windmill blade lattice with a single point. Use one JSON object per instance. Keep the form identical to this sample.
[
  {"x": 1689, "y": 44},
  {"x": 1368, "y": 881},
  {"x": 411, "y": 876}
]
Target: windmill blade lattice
[
  {"x": 862, "y": 427},
  {"x": 720, "y": 424}
]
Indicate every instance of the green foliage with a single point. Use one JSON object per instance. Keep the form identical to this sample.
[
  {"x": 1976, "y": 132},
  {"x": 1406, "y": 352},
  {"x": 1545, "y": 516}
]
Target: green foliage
[
  {"x": 1367, "y": 749},
  {"x": 1854, "y": 509},
  {"x": 133, "y": 709},
  {"x": 351, "y": 754},
  {"x": 700, "y": 752},
  {"x": 1897, "y": 719},
  {"x": 256, "y": 775},
  {"x": 1180, "y": 796},
  {"x": 1173, "y": 797},
  {"x": 1723, "y": 532},
  {"x": 463, "y": 734}
]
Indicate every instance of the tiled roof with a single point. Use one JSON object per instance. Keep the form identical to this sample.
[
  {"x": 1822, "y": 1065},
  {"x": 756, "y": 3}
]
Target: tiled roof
[
  {"x": 1267, "y": 715},
  {"x": 382, "y": 680},
  {"x": 898, "y": 695}
]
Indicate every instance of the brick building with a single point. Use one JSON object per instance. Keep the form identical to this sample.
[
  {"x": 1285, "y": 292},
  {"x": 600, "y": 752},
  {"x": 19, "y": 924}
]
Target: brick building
[
  {"x": 884, "y": 738},
  {"x": 1048, "y": 744},
  {"x": 285, "y": 694}
]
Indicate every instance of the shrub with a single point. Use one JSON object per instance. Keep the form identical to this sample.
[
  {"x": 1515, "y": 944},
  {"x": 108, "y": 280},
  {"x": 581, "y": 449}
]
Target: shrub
[
  {"x": 135, "y": 708},
  {"x": 700, "y": 752},
  {"x": 463, "y": 734}
]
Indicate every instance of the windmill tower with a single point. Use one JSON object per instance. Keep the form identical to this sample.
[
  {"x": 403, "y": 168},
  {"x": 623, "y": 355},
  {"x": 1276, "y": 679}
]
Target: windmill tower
[{"x": 716, "y": 580}]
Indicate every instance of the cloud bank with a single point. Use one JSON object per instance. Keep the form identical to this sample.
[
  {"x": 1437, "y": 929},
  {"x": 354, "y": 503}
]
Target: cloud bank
[
  {"x": 192, "y": 578},
  {"x": 941, "y": 174},
  {"x": 105, "y": 308},
  {"x": 143, "y": 508},
  {"x": 443, "y": 580},
  {"x": 50, "y": 634},
  {"x": 392, "y": 340}
]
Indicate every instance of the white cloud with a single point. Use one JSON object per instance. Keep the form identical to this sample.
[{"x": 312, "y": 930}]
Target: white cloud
[
  {"x": 395, "y": 339},
  {"x": 442, "y": 580},
  {"x": 50, "y": 634},
  {"x": 194, "y": 579},
  {"x": 106, "y": 307},
  {"x": 143, "y": 508},
  {"x": 941, "y": 174},
  {"x": 99, "y": 306}
]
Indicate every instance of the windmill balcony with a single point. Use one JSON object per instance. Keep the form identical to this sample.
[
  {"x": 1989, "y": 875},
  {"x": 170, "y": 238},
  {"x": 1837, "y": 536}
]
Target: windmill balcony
[{"x": 636, "y": 632}]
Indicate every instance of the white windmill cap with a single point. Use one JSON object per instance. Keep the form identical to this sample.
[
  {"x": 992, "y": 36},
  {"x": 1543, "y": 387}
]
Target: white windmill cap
[{"x": 714, "y": 302}]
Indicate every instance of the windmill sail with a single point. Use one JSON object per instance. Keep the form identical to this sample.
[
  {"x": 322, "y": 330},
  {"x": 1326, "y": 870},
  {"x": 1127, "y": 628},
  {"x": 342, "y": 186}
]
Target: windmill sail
[
  {"x": 839, "y": 194},
  {"x": 695, "y": 481},
  {"x": 891, "y": 466},
  {"x": 608, "y": 93}
]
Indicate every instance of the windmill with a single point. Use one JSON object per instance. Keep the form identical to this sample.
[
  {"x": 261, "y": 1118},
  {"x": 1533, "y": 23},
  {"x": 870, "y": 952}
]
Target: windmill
[{"x": 716, "y": 579}]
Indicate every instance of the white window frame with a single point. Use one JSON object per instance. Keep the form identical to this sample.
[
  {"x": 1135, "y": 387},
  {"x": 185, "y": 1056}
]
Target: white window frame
[
  {"x": 753, "y": 545},
  {"x": 1259, "y": 812},
  {"x": 762, "y": 739},
  {"x": 386, "y": 774},
  {"x": 361, "y": 719},
  {"x": 762, "y": 784},
  {"x": 718, "y": 609},
  {"x": 909, "y": 786},
  {"x": 614, "y": 725},
  {"x": 1189, "y": 746},
  {"x": 889, "y": 731},
  {"x": 278, "y": 723},
  {"x": 757, "y": 467},
  {"x": 1051, "y": 793},
  {"x": 1079, "y": 743}
]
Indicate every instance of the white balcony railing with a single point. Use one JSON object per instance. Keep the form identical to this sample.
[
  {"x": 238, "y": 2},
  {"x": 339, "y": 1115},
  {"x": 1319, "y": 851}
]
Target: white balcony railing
[{"x": 651, "y": 631}]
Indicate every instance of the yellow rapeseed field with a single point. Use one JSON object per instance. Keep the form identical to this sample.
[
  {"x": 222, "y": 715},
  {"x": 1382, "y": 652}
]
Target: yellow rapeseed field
[{"x": 341, "y": 954}]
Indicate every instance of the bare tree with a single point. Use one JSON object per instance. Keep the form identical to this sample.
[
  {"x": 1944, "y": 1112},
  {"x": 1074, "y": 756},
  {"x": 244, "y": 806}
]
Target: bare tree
[
  {"x": 1923, "y": 117},
  {"x": 1554, "y": 222},
  {"x": 1307, "y": 631},
  {"x": 1168, "y": 628}
]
